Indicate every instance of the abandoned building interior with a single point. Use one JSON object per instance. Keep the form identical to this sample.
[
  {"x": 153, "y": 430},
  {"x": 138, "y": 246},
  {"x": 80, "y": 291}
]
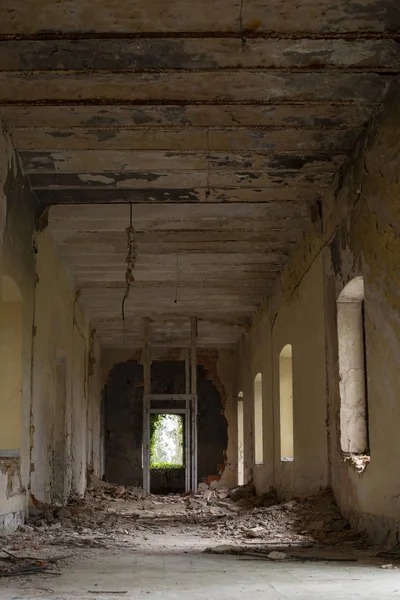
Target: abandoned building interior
[{"x": 200, "y": 280}]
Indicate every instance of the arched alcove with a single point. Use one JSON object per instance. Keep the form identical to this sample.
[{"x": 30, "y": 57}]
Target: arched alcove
[
  {"x": 11, "y": 366},
  {"x": 286, "y": 403},
  {"x": 352, "y": 371},
  {"x": 258, "y": 421}
]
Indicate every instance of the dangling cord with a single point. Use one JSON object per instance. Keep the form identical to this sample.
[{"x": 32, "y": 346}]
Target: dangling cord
[
  {"x": 130, "y": 265},
  {"x": 177, "y": 281}
]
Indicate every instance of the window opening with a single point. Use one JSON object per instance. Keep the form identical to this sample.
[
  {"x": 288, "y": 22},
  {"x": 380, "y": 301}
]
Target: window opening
[
  {"x": 258, "y": 421},
  {"x": 352, "y": 370},
  {"x": 240, "y": 422},
  {"x": 286, "y": 403},
  {"x": 166, "y": 441}
]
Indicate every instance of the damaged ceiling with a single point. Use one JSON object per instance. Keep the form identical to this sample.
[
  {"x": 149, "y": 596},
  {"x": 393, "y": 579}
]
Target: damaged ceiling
[{"x": 222, "y": 124}]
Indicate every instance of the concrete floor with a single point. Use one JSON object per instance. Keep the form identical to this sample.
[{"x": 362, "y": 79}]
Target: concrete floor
[{"x": 183, "y": 575}]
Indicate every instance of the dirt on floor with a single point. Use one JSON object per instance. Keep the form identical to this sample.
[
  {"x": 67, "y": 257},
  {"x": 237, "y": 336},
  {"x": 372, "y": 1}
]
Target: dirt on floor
[{"x": 214, "y": 520}]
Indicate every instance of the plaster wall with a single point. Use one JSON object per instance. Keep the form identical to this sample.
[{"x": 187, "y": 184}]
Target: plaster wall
[
  {"x": 46, "y": 424},
  {"x": 62, "y": 335},
  {"x": 253, "y": 357},
  {"x": 11, "y": 379},
  {"x": 358, "y": 236},
  {"x": 366, "y": 242},
  {"x": 16, "y": 266},
  {"x": 300, "y": 323},
  {"x": 95, "y": 440},
  {"x": 216, "y": 372},
  {"x": 124, "y": 420},
  {"x": 223, "y": 377}
]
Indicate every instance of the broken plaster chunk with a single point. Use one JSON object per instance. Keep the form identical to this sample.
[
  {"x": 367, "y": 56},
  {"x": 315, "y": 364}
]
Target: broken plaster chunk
[
  {"x": 275, "y": 555},
  {"x": 357, "y": 461},
  {"x": 26, "y": 528},
  {"x": 203, "y": 487},
  {"x": 223, "y": 549},
  {"x": 389, "y": 566},
  {"x": 255, "y": 532}
]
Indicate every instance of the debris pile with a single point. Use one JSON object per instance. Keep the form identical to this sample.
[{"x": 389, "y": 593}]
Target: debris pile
[
  {"x": 243, "y": 515},
  {"x": 12, "y": 565},
  {"x": 102, "y": 490},
  {"x": 233, "y": 521},
  {"x": 111, "y": 515}
]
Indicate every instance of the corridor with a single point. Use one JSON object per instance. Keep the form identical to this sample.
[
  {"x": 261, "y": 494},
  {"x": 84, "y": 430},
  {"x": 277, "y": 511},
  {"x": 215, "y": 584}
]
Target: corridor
[
  {"x": 199, "y": 297},
  {"x": 219, "y": 544}
]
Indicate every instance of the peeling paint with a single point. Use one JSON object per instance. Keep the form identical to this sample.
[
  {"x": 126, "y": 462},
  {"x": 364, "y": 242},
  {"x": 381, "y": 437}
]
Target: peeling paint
[{"x": 96, "y": 178}]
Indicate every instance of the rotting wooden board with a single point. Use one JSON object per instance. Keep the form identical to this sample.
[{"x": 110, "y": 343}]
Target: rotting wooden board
[
  {"x": 168, "y": 280},
  {"x": 207, "y": 86},
  {"x": 228, "y": 276},
  {"x": 79, "y": 16},
  {"x": 238, "y": 140},
  {"x": 129, "y": 160},
  {"x": 178, "y": 322},
  {"x": 172, "y": 216},
  {"x": 169, "y": 273},
  {"x": 320, "y": 116},
  {"x": 168, "y": 261},
  {"x": 198, "y": 54},
  {"x": 207, "y": 244},
  {"x": 166, "y": 305},
  {"x": 99, "y": 287},
  {"x": 223, "y": 139},
  {"x": 90, "y": 241},
  {"x": 181, "y": 179},
  {"x": 201, "y": 196}
]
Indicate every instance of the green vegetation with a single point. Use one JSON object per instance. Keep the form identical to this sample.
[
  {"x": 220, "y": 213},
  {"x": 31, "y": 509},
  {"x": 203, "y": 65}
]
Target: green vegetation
[
  {"x": 166, "y": 465},
  {"x": 166, "y": 441}
]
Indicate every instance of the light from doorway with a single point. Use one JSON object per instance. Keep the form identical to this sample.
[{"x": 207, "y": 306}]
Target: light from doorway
[{"x": 166, "y": 441}]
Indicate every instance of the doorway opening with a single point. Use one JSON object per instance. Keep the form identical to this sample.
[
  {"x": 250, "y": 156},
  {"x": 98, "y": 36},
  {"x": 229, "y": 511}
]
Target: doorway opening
[
  {"x": 166, "y": 441},
  {"x": 167, "y": 462}
]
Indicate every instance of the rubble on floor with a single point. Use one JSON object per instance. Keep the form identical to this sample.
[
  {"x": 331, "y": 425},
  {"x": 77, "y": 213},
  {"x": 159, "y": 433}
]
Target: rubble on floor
[
  {"x": 242, "y": 515},
  {"x": 312, "y": 519},
  {"x": 226, "y": 521},
  {"x": 97, "y": 488},
  {"x": 13, "y": 566},
  {"x": 109, "y": 512}
]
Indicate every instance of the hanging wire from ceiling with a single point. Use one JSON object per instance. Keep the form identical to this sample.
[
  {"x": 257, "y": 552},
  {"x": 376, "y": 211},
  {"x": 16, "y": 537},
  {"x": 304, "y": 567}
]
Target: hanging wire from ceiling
[
  {"x": 177, "y": 280},
  {"x": 130, "y": 265}
]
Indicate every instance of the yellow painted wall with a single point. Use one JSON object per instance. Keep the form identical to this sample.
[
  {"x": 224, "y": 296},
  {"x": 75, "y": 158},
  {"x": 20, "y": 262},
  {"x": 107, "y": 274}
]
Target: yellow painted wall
[
  {"x": 39, "y": 323},
  {"x": 16, "y": 283},
  {"x": 62, "y": 332},
  {"x": 11, "y": 374},
  {"x": 359, "y": 235}
]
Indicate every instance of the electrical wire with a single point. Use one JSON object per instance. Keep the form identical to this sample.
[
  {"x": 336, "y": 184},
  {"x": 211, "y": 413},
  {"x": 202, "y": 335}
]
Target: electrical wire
[
  {"x": 130, "y": 265},
  {"x": 177, "y": 281}
]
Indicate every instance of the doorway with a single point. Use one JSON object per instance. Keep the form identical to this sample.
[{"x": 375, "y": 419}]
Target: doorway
[{"x": 167, "y": 452}]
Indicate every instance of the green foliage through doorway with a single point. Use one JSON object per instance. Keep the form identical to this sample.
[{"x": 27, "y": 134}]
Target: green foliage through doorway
[{"x": 166, "y": 441}]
